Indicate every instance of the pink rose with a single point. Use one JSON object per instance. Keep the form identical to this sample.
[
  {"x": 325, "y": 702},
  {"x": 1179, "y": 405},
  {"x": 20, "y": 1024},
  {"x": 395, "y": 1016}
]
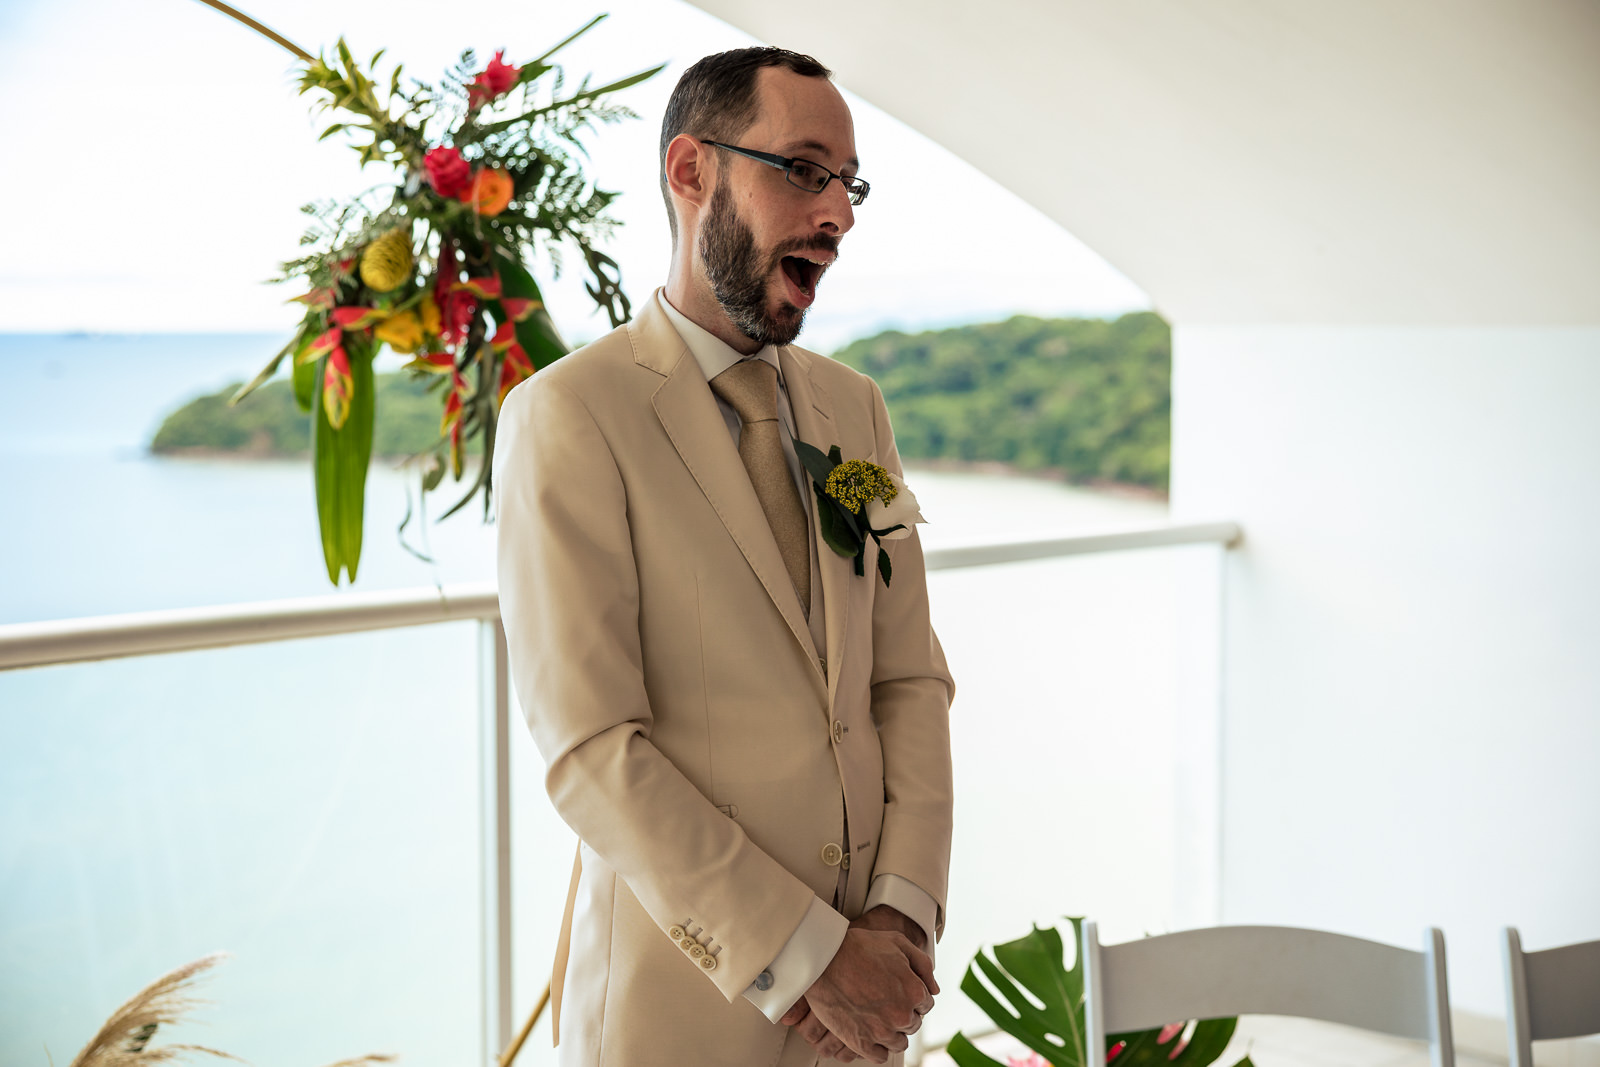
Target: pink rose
[{"x": 448, "y": 173}]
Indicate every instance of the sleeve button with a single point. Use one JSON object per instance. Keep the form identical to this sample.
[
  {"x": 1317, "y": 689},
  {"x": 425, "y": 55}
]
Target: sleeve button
[
  {"x": 686, "y": 943},
  {"x": 697, "y": 951},
  {"x": 676, "y": 933},
  {"x": 708, "y": 962}
]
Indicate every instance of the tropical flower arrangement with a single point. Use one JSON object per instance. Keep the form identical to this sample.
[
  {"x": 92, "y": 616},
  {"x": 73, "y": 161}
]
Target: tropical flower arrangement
[
  {"x": 857, "y": 500},
  {"x": 435, "y": 265},
  {"x": 1044, "y": 1009}
]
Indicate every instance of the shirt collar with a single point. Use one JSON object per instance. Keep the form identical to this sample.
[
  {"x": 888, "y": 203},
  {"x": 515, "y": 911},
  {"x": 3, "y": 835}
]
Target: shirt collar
[{"x": 712, "y": 353}]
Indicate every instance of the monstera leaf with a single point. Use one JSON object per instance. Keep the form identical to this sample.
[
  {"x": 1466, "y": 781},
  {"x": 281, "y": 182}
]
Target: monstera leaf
[{"x": 1043, "y": 1008}]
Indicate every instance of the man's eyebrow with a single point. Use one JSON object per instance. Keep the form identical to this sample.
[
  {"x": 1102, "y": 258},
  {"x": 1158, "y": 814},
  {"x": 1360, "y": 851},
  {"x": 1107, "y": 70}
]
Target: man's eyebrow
[{"x": 817, "y": 146}]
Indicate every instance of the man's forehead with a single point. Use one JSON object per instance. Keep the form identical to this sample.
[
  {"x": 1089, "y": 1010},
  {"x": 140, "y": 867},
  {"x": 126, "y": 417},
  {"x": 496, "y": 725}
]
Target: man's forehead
[{"x": 804, "y": 116}]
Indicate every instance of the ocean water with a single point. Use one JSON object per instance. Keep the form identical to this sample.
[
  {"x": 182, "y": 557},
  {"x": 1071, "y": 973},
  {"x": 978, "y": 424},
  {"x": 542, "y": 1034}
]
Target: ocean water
[{"x": 310, "y": 806}]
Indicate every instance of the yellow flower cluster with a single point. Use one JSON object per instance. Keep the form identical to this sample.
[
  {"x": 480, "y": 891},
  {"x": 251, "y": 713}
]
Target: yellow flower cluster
[{"x": 855, "y": 482}]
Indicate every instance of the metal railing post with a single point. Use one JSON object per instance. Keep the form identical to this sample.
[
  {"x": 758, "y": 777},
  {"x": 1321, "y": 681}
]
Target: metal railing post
[{"x": 494, "y": 763}]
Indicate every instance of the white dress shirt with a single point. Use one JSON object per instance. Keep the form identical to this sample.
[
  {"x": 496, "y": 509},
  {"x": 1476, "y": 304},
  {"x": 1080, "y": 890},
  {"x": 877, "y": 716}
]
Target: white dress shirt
[{"x": 814, "y": 942}]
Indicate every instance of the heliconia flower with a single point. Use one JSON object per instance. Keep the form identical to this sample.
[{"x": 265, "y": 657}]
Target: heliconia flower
[
  {"x": 495, "y": 81},
  {"x": 326, "y": 342},
  {"x": 504, "y": 337},
  {"x": 338, "y": 386},
  {"x": 356, "y": 318},
  {"x": 518, "y": 308},
  {"x": 1170, "y": 1031},
  {"x": 487, "y": 287},
  {"x": 448, "y": 173},
  {"x": 1115, "y": 1050},
  {"x": 489, "y": 192},
  {"x": 455, "y": 316},
  {"x": 432, "y": 362},
  {"x": 317, "y": 298},
  {"x": 1177, "y": 1049},
  {"x": 516, "y": 368},
  {"x": 459, "y": 391},
  {"x": 456, "y": 452}
]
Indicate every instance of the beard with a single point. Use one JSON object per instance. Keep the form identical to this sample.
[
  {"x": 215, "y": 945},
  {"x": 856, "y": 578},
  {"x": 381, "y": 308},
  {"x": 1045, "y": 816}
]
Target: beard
[{"x": 738, "y": 272}]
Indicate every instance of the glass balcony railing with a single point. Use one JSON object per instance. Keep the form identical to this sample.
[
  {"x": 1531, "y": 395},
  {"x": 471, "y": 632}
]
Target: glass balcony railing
[{"x": 338, "y": 792}]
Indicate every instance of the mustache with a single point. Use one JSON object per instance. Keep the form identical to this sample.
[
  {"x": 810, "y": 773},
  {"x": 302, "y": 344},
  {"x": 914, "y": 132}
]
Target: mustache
[{"x": 817, "y": 242}]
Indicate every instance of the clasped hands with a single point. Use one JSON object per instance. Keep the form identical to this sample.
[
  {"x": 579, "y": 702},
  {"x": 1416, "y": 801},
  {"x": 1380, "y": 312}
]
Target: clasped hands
[{"x": 874, "y": 992}]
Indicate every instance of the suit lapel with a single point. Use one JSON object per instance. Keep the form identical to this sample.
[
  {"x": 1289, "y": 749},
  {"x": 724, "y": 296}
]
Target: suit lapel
[
  {"x": 689, "y": 414},
  {"x": 813, "y": 423}
]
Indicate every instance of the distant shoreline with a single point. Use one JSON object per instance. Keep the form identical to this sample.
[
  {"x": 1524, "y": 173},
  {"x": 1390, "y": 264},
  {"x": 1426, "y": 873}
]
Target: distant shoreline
[
  {"x": 1043, "y": 474},
  {"x": 942, "y": 466}
]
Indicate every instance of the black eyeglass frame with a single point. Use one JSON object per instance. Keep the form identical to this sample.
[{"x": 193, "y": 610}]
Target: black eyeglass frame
[{"x": 854, "y": 188}]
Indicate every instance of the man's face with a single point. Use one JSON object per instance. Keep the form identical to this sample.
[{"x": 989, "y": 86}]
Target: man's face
[{"x": 764, "y": 244}]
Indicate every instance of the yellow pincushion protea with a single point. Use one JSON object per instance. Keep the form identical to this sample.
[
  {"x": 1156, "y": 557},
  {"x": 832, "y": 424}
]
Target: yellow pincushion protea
[
  {"x": 387, "y": 261},
  {"x": 855, "y": 482}
]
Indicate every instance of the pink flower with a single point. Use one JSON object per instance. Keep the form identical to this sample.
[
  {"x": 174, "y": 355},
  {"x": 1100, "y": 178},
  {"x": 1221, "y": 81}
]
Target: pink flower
[
  {"x": 448, "y": 173},
  {"x": 1032, "y": 1059},
  {"x": 495, "y": 81},
  {"x": 1170, "y": 1031},
  {"x": 1115, "y": 1050}
]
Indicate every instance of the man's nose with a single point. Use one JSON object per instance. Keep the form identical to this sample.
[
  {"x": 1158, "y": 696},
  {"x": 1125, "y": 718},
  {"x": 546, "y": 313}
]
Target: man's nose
[{"x": 834, "y": 214}]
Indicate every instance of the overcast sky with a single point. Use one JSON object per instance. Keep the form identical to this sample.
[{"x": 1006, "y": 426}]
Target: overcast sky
[{"x": 156, "y": 155}]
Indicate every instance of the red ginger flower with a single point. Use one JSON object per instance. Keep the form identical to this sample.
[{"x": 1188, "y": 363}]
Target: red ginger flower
[
  {"x": 494, "y": 82},
  {"x": 448, "y": 173}
]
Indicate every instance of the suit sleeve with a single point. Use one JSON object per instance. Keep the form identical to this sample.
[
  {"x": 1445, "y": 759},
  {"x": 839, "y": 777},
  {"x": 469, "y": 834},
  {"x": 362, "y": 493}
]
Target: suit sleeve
[
  {"x": 569, "y": 599},
  {"x": 911, "y": 694}
]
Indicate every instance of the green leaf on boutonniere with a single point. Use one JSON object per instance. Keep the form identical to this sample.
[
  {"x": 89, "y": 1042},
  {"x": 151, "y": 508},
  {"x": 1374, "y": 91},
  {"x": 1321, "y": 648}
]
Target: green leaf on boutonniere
[
  {"x": 885, "y": 568},
  {"x": 816, "y": 464},
  {"x": 834, "y": 531},
  {"x": 835, "y": 456}
]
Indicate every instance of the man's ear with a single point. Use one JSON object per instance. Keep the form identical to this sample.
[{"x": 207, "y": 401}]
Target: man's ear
[{"x": 688, "y": 170}]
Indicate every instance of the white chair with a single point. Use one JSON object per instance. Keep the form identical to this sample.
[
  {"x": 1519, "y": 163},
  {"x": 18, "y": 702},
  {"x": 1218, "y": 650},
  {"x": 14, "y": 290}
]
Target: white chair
[
  {"x": 1550, "y": 994},
  {"x": 1267, "y": 970}
]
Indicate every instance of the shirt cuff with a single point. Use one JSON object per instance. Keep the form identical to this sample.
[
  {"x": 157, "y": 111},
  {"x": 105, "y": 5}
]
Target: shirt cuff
[
  {"x": 801, "y": 962},
  {"x": 909, "y": 899}
]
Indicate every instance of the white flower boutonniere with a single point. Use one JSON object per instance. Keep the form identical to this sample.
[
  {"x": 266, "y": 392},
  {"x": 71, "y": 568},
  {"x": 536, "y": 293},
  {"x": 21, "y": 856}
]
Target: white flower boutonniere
[{"x": 857, "y": 500}]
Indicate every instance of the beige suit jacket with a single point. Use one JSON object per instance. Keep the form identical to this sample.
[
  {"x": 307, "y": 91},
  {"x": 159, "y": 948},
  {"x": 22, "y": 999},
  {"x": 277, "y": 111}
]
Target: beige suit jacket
[{"x": 708, "y": 756}]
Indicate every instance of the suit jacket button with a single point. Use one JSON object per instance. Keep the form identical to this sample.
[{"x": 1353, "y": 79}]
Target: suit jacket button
[
  {"x": 832, "y": 854},
  {"x": 697, "y": 951},
  {"x": 676, "y": 933},
  {"x": 708, "y": 962},
  {"x": 823, "y": 663},
  {"x": 838, "y": 732}
]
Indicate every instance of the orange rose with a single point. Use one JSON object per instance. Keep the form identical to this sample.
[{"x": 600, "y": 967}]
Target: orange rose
[{"x": 489, "y": 192}]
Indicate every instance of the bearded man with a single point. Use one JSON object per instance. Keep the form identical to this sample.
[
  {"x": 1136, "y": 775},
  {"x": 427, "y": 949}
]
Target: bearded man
[{"x": 750, "y": 739}]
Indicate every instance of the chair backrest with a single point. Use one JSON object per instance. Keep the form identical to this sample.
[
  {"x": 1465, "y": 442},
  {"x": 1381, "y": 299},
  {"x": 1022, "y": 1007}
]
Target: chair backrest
[
  {"x": 1267, "y": 970},
  {"x": 1550, "y": 994}
]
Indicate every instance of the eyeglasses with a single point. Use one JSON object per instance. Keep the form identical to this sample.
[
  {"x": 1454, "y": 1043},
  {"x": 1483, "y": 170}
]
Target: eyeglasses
[{"x": 802, "y": 173}]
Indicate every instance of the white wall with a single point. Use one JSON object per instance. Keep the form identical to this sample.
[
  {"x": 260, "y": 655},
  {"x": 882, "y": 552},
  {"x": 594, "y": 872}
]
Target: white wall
[{"x": 1411, "y": 729}]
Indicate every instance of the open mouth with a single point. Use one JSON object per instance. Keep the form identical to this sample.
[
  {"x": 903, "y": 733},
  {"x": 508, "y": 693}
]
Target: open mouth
[{"x": 803, "y": 274}]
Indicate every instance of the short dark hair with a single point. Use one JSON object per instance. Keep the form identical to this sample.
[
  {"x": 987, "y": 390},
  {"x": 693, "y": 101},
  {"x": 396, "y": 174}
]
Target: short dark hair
[{"x": 716, "y": 100}]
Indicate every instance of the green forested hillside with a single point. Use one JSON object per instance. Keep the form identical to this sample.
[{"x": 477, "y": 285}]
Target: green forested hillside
[
  {"x": 1088, "y": 397},
  {"x": 268, "y": 423}
]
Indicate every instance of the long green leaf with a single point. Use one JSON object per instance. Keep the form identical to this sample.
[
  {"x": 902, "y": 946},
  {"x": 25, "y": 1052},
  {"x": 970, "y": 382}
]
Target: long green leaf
[
  {"x": 591, "y": 24},
  {"x": 339, "y": 462},
  {"x": 297, "y": 344},
  {"x": 966, "y": 1054},
  {"x": 814, "y": 460},
  {"x": 556, "y": 105}
]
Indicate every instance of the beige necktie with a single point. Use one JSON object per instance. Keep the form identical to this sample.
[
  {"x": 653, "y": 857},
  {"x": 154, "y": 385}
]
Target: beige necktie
[{"x": 751, "y": 388}]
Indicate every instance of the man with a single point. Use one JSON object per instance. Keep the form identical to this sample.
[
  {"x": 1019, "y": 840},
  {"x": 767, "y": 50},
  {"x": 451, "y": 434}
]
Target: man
[{"x": 750, "y": 740}]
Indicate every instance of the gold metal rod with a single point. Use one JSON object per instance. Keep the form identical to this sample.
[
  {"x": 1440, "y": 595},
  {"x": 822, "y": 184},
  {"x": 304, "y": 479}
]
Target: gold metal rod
[
  {"x": 527, "y": 1028},
  {"x": 262, "y": 30}
]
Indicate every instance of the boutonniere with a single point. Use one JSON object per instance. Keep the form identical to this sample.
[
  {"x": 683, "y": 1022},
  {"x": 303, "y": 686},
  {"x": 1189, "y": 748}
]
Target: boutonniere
[{"x": 857, "y": 500}]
